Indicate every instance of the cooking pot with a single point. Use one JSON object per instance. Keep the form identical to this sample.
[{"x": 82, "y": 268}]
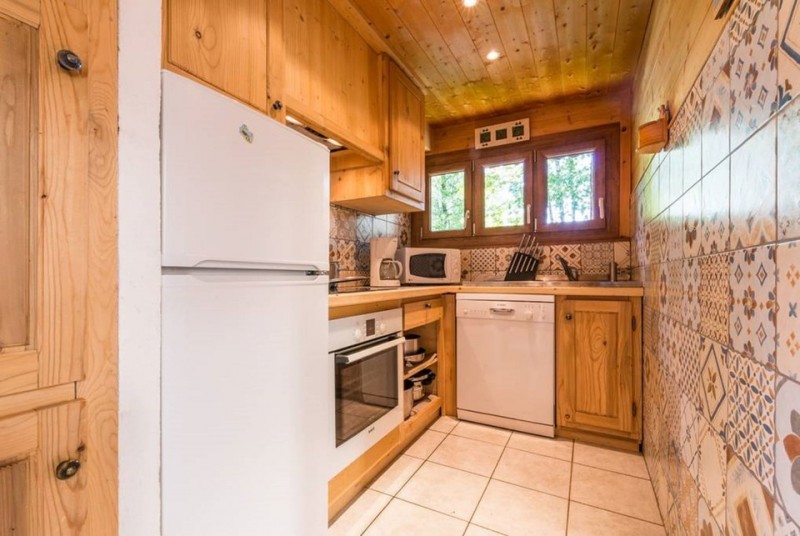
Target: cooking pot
[{"x": 411, "y": 345}]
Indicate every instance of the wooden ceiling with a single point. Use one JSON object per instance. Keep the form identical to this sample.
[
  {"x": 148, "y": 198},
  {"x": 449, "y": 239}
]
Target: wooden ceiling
[{"x": 549, "y": 49}]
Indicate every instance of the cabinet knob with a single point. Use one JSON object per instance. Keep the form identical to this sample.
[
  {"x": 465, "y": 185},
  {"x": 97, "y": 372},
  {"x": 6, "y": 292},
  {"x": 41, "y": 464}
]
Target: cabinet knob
[
  {"x": 569, "y": 316},
  {"x": 67, "y": 469},
  {"x": 277, "y": 105},
  {"x": 567, "y": 416},
  {"x": 69, "y": 61},
  {"x": 396, "y": 172},
  {"x": 429, "y": 306}
]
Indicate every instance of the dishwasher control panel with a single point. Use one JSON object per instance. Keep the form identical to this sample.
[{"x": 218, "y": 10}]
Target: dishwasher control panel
[{"x": 498, "y": 308}]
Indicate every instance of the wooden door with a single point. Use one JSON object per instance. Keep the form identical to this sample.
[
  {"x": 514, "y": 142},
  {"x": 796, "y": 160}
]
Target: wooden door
[
  {"x": 596, "y": 372},
  {"x": 222, "y": 43},
  {"x": 41, "y": 489},
  {"x": 58, "y": 299},
  {"x": 406, "y": 136}
]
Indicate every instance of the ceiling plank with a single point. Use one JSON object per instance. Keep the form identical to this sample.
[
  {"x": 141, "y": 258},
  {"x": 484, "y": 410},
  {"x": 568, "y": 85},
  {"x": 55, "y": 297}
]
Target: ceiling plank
[
  {"x": 571, "y": 29},
  {"x": 510, "y": 21},
  {"x": 601, "y": 20},
  {"x": 540, "y": 18}
]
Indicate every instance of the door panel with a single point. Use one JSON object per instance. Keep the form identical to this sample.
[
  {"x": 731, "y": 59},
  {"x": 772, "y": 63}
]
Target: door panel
[
  {"x": 406, "y": 131},
  {"x": 596, "y": 367},
  {"x": 17, "y": 173}
]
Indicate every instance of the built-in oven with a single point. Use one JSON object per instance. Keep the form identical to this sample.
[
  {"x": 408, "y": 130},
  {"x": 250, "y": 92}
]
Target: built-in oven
[{"x": 366, "y": 360}]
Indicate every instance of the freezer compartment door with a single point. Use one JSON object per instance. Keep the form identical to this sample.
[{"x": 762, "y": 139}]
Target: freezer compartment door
[
  {"x": 246, "y": 406},
  {"x": 238, "y": 186}
]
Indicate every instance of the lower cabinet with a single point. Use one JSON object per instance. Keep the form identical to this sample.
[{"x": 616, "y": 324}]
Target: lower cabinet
[
  {"x": 42, "y": 485},
  {"x": 599, "y": 370}
]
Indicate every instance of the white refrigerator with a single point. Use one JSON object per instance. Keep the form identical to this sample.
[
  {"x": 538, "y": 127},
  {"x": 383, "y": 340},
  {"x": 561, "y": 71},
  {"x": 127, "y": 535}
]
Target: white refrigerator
[{"x": 246, "y": 405}]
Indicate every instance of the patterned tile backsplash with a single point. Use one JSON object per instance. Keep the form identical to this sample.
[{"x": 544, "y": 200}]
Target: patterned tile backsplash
[
  {"x": 719, "y": 257},
  {"x": 350, "y": 233}
]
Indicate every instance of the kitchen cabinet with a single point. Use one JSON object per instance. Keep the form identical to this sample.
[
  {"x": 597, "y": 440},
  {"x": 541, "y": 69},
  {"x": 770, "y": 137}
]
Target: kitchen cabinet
[
  {"x": 398, "y": 183},
  {"x": 434, "y": 320},
  {"x": 598, "y": 370},
  {"x": 232, "y": 50},
  {"x": 41, "y": 486},
  {"x": 332, "y": 77},
  {"x": 58, "y": 300}
]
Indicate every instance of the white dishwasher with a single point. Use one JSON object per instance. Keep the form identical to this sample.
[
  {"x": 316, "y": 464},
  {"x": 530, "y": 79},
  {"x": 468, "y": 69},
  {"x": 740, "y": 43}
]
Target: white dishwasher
[{"x": 506, "y": 361}]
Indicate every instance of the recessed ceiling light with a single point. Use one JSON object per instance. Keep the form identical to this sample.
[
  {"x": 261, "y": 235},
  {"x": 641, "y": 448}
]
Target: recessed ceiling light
[
  {"x": 492, "y": 55},
  {"x": 470, "y": 3}
]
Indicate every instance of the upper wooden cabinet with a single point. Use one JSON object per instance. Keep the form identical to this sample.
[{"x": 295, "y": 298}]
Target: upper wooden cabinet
[
  {"x": 598, "y": 363},
  {"x": 332, "y": 77},
  {"x": 398, "y": 183},
  {"x": 227, "y": 46},
  {"x": 406, "y": 135}
]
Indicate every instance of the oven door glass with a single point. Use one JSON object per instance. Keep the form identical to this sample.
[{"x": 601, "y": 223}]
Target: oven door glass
[
  {"x": 366, "y": 390},
  {"x": 430, "y": 265}
]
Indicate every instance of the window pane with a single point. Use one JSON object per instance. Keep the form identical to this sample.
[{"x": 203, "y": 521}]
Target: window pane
[
  {"x": 504, "y": 195},
  {"x": 570, "y": 185},
  {"x": 447, "y": 201}
]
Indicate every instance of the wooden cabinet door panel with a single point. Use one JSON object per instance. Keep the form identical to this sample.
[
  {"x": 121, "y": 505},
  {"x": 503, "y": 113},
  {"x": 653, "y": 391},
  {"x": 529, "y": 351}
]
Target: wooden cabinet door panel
[
  {"x": 222, "y": 43},
  {"x": 44, "y": 182},
  {"x": 596, "y": 367},
  {"x": 32, "y": 499},
  {"x": 406, "y": 136}
]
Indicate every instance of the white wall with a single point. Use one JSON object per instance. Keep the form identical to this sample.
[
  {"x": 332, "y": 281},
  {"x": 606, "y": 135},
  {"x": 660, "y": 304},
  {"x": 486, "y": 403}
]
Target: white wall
[{"x": 139, "y": 267}]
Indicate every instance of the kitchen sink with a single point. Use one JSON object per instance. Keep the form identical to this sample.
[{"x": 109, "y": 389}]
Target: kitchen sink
[{"x": 554, "y": 283}]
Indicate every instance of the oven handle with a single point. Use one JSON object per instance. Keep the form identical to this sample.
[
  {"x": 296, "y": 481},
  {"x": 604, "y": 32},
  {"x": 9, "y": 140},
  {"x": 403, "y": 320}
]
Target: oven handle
[{"x": 346, "y": 359}]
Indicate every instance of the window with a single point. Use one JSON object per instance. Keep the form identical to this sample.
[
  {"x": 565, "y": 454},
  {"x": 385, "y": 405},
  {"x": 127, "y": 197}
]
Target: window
[
  {"x": 448, "y": 201},
  {"x": 563, "y": 187},
  {"x": 570, "y": 187},
  {"x": 502, "y": 194}
]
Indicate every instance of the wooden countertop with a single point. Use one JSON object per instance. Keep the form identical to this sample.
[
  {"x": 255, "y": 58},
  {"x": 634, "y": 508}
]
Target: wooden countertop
[{"x": 404, "y": 293}]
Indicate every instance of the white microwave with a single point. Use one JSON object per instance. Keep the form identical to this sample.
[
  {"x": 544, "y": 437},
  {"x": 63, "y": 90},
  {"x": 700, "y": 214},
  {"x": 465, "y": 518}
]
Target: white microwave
[{"x": 429, "y": 266}]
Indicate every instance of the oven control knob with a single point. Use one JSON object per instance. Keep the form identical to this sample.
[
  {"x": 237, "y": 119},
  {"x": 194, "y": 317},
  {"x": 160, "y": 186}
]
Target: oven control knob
[{"x": 357, "y": 334}]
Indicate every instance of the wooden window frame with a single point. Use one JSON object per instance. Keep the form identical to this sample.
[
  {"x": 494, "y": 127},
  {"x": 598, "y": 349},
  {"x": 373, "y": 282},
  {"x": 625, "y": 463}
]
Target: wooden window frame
[
  {"x": 598, "y": 148},
  {"x": 466, "y": 167},
  {"x": 550, "y": 144}
]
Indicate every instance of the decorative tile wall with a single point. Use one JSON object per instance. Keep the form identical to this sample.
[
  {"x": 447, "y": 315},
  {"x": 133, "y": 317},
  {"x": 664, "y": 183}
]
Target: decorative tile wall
[
  {"x": 351, "y": 231},
  {"x": 722, "y": 335}
]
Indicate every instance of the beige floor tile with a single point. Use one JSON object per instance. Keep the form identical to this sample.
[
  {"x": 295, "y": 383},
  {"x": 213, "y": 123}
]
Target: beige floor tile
[
  {"x": 613, "y": 491},
  {"x": 513, "y": 510},
  {"x": 475, "y": 530},
  {"x": 444, "y": 489},
  {"x": 467, "y": 454},
  {"x": 589, "y": 521},
  {"x": 396, "y": 475},
  {"x": 555, "y": 448},
  {"x": 401, "y": 518},
  {"x": 355, "y": 520},
  {"x": 426, "y": 444},
  {"x": 534, "y": 471},
  {"x": 611, "y": 460},
  {"x": 480, "y": 432},
  {"x": 444, "y": 424}
]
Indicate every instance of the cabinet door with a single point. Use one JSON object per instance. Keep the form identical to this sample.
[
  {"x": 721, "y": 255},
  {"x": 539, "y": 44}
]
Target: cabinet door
[
  {"x": 406, "y": 136},
  {"x": 596, "y": 372},
  {"x": 33, "y": 499},
  {"x": 45, "y": 180},
  {"x": 222, "y": 43}
]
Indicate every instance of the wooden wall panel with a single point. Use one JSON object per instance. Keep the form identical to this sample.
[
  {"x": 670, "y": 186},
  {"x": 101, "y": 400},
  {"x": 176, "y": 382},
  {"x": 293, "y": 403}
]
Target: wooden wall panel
[
  {"x": 681, "y": 36},
  {"x": 17, "y": 175},
  {"x": 14, "y": 496}
]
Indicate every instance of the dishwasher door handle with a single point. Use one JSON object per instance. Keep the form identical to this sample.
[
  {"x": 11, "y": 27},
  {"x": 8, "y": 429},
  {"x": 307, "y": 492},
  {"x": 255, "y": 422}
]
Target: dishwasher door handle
[{"x": 501, "y": 310}]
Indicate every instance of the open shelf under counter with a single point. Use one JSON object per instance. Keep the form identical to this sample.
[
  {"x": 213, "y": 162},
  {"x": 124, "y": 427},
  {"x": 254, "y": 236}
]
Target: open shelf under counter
[
  {"x": 429, "y": 362},
  {"x": 422, "y": 415}
]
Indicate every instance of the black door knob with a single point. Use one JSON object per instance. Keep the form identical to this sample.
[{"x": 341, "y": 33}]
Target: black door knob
[
  {"x": 569, "y": 316},
  {"x": 277, "y": 105},
  {"x": 67, "y": 469},
  {"x": 69, "y": 61}
]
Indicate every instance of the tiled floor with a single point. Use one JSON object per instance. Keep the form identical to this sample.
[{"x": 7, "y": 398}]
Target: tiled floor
[{"x": 466, "y": 479}]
